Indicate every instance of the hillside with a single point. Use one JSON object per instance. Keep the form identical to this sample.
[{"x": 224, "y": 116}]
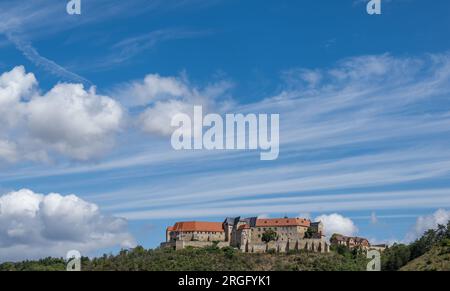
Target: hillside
[
  {"x": 210, "y": 259},
  {"x": 431, "y": 252},
  {"x": 437, "y": 259}
]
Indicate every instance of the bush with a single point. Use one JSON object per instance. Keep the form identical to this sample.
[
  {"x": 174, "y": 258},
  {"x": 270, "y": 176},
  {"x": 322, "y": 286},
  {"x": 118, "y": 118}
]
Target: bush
[
  {"x": 269, "y": 235},
  {"x": 229, "y": 252}
]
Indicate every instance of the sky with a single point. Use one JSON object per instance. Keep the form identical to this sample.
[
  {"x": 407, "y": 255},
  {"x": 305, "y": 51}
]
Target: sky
[{"x": 86, "y": 102}]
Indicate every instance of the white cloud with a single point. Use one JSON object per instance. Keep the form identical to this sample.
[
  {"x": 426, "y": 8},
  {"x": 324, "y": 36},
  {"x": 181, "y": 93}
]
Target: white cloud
[
  {"x": 157, "y": 119},
  {"x": 165, "y": 97},
  {"x": 373, "y": 218},
  {"x": 425, "y": 223},
  {"x": 151, "y": 89},
  {"x": 263, "y": 216},
  {"x": 74, "y": 122},
  {"x": 68, "y": 119},
  {"x": 35, "y": 225},
  {"x": 128, "y": 48},
  {"x": 301, "y": 77},
  {"x": 33, "y": 56},
  {"x": 14, "y": 85},
  {"x": 336, "y": 223},
  {"x": 353, "y": 114}
]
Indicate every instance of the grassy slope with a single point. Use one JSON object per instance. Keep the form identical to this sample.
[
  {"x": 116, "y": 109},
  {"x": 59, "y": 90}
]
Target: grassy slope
[
  {"x": 219, "y": 260},
  {"x": 437, "y": 259},
  {"x": 211, "y": 259}
]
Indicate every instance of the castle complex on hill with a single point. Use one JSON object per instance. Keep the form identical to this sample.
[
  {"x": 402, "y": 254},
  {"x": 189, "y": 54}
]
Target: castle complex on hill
[{"x": 250, "y": 235}]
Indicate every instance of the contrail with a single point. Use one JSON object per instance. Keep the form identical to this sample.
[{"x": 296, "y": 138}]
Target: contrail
[{"x": 33, "y": 56}]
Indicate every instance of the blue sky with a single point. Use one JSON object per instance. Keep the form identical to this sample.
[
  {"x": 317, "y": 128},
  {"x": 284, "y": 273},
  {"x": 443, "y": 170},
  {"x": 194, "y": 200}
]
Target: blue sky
[{"x": 363, "y": 100}]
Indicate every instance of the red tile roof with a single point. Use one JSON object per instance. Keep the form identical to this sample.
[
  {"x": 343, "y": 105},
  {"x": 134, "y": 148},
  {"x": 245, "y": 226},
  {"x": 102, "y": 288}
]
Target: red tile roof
[
  {"x": 191, "y": 226},
  {"x": 279, "y": 222}
]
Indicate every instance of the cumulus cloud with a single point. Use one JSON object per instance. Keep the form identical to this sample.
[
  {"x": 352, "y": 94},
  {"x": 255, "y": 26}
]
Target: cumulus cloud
[
  {"x": 164, "y": 97},
  {"x": 68, "y": 120},
  {"x": 157, "y": 118},
  {"x": 425, "y": 223},
  {"x": 34, "y": 225},
  {"x": 153, "y": 88},
  {"x": 80, "y": 124},
  {"x": 336, "y": 223},
  {"x": 14, "y": 85},
  {"x": 73, "y": 121}
]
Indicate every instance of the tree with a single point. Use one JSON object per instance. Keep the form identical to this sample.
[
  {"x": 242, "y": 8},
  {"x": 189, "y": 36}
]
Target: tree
[
  {"x": 395, "y": 257},
  {"x": 424, "y": 244},
  {"x": 311, "y": 233},
  {"x": 269, "y": 235}
]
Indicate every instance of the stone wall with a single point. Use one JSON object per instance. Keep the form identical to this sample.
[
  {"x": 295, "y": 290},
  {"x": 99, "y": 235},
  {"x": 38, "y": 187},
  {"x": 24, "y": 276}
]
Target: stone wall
[
  {"x": 284, "y": 233},
  {"x": 179, "y": 245},
  {"x": 199, "y": 236},
  {"x": 312, "y": 245}
]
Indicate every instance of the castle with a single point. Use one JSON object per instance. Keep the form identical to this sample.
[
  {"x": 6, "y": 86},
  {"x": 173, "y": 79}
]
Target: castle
[{"x": 250, "y": 235}]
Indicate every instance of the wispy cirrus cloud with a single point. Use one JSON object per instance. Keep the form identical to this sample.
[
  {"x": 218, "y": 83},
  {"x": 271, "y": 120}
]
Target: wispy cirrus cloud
[
  {"x": 378, "y": 106},
  {"x": 125, "y": 50},
  {"x": 367, "y": 125},
  {"x": 41, "y": 18},
  {"x": 33, "y": 19},
  {"x": 36, "y": 19}
]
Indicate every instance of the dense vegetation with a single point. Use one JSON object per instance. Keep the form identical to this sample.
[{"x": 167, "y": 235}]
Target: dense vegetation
[
  {"x": 434, "y": 244},
  {"x": 430, "y": 252},
  {"x": 207, "y": 259},
  {"x": 47, "y": 264}
]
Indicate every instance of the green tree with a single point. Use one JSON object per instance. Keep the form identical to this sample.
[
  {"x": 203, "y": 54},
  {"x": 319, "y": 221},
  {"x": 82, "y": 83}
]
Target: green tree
[
  {"x": 269, "y": 235},
  {"x": 395, "y": 257},
  {"x": 310, "y": 233}
]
